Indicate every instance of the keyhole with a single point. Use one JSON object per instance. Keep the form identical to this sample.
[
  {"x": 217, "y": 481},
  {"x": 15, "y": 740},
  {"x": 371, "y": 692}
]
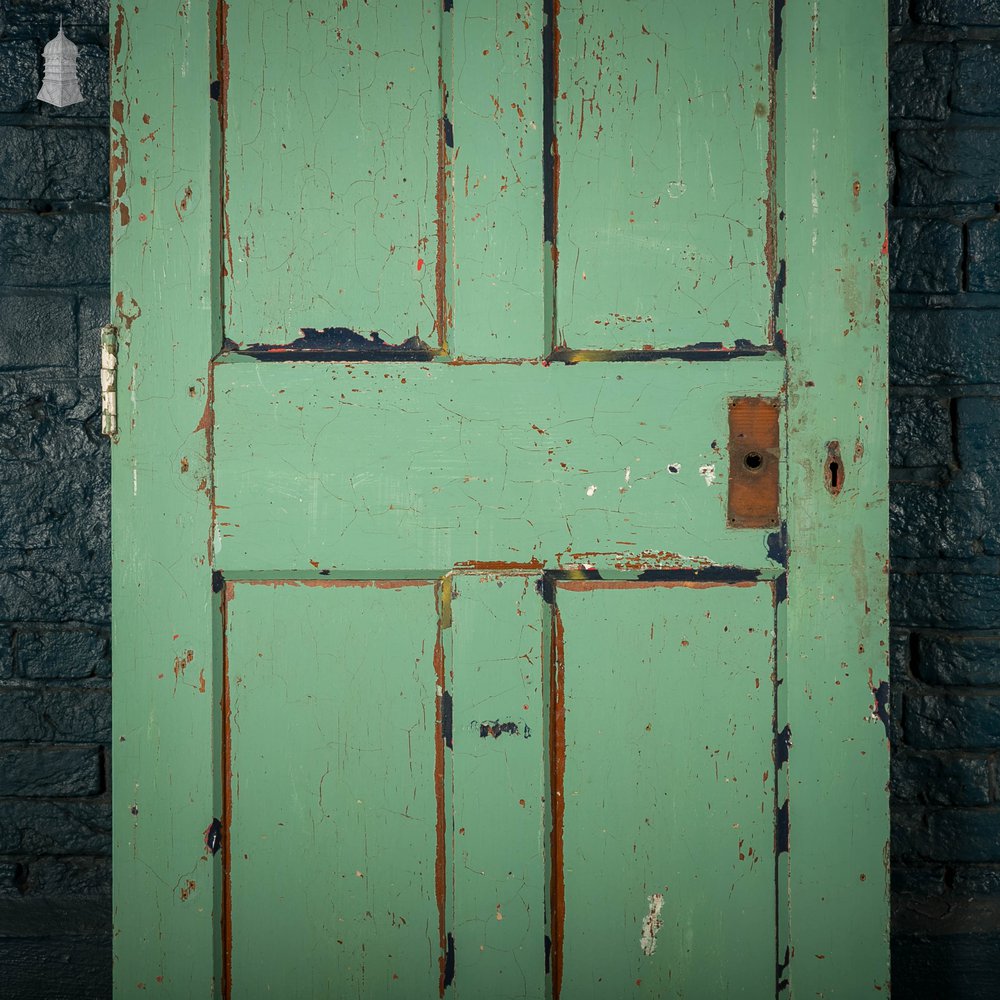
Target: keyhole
[
  {"x": 833, "y": 469},
  {"x": 753, "y": 460}
]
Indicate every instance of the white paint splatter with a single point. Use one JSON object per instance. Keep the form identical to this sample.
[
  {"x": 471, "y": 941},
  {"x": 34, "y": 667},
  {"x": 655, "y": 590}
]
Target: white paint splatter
[
  {"x": 591, "y": 490},
  {"x": 707, "y": 472},
  {"x": 651, "y": 924},
  {"x": 628, "y": 473}
]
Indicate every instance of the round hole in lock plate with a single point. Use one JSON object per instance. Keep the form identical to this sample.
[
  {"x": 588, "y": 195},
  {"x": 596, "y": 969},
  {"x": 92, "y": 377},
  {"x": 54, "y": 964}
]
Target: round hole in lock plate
[{"x": 753, "y": 460}]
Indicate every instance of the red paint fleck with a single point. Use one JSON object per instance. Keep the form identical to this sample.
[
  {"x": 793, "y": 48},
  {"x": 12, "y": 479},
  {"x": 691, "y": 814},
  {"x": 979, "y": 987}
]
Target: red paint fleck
[
  {"x": 420, "y": 263},
  {"x": 885, "y": 245}
]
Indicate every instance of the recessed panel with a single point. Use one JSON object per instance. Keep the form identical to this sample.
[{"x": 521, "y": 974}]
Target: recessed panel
[
  {"x": 332, "y": 133},
  {"x": 663, "y": 130},
  {"x": 332, "y": 835},
  {"x": 663, "y": 780},
  {"x": 383, "y": 466}
]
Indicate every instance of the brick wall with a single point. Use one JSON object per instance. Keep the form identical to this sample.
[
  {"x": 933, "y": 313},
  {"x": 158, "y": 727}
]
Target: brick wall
[
  {"x": 945, "y": 372},
  {"x": 54, "y": 569},
  {"x": 54, "y": 500}
]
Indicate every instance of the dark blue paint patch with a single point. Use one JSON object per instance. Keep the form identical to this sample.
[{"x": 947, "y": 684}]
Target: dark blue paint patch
[
  {"x": 882, "y": 704},
  {"x": 782, "y": 744},
  {"x": 334, "y": 343},
  {"x": 213, "y": 836},
  {"x": 449, "y": 134},
  {"x": 781, "y": 832},
  {"x": 782, "y": 978},
  {"x": 449, "y": 962},
  {"x": 777, "y": 545},
  {"x": 215, "y": 90},
  {"x": 217, "y": 582},
  {"x": 496, "y": 729},
  {"x": 446, "y": 719},
  {"x": 781, "y": 589}
]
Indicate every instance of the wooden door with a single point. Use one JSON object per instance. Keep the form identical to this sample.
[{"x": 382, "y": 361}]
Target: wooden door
[{"x": 500, "y": 498}]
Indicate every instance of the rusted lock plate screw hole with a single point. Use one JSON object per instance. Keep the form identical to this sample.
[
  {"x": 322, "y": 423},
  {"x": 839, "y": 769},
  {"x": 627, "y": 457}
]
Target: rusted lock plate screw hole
[{"x": 753, "y": 460}]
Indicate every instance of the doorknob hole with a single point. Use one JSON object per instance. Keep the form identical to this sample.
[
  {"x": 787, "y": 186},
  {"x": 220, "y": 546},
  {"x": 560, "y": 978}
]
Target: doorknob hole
[{"x": 753, "y": 460}]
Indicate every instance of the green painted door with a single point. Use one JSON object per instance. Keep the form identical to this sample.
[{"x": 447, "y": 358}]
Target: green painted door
[{"x": 500, "y": 498}]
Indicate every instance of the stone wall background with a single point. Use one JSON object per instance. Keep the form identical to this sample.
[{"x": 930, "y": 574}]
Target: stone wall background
[{"x": 55, "y": 915}]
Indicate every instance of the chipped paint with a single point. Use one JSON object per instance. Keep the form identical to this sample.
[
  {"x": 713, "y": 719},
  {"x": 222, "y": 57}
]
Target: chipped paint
[{"x": 651, "y": 924}]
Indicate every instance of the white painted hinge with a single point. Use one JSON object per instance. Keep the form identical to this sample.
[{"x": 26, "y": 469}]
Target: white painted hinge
[{"x": 109, "y": 382}]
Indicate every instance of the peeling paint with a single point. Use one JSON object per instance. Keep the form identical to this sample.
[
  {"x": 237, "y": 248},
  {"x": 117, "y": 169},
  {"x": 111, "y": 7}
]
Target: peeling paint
[{"x": 651, "y": 924}]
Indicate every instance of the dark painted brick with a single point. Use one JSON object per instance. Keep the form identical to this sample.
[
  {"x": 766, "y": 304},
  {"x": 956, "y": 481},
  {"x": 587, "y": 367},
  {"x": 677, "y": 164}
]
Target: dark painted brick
[
  {"x": 941, "y": 779},
  {"x": 52, "y": 591},
  {"x": 55, "y": 714},
  {"x": 49, "y": 418},
  {"x": 62, "y": 653},
  {"x": 48, "y": 12},
  {"x": 944, "y": 346},
  {"x": 965, "y": 834},
  {"x": 22, "y": 163},
  {"x": 37, "y": 331},
  {"x": 920, "y": 75},
  {"x": 919, "y": 431},
  {"x": 952, "y": 721},
  {"x": 19, "y": 75},
  {"x": 978, "y": 434},
  {"x": 984, "y": 255},
  {"x": 57, "y": 506},
  {"x": 976, "y": 89},
  {"x": 948, "y": 167},
  {"x": 93, "y": 313},
  {"x": 41, "y": 827},
  {"x": 6, "y": 655},
  {"x": 945, "y": 600},
  {"x": 952, "y": 521},
  {"x": 972, "y": 880},
  {"x": 963, "y": 660},
  {"x": 925, "y": 255},
  {"x": 899, "y": 12},
  {"x": 53, "y": 250},
  {"x": 945, "y": 967},
  {"x": 37, "y": 771},
  {"x": 58, "y": 877},
  {"x": 957, "y": 13},
  {"x": 921, "y": 882},
  {"x": 70, "y": 968},
  {"x": 58, "y": 164}
]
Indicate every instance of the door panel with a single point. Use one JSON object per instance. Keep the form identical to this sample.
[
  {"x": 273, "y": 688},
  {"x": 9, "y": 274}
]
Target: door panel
[
  {"x": 669, "y": 789},
  {"x": 332, "y": 826},
  {"x": 386, "y": 466},
  {"x": 664, "y": 136},
  {"x": 331, "y": 149}
]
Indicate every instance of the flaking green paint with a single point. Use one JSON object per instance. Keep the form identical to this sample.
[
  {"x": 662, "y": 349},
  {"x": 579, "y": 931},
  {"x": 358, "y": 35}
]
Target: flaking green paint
[{"x": 253, "y": 684}]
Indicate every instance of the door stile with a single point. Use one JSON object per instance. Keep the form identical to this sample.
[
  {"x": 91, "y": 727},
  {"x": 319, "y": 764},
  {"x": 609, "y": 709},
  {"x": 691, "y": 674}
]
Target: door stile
[
  {"x": 836, "y": 499},
  {"x": 165, "y": 303}
]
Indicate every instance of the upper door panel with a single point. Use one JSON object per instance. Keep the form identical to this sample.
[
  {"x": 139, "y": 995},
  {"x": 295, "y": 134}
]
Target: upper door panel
[
  {"x": 663, "y": 139},
  {"x": 332, "y": 141}
]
